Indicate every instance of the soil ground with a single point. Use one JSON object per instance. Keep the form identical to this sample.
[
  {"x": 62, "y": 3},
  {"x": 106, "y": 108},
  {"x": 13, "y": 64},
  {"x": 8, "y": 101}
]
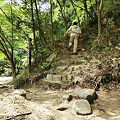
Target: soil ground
[{"x": 43, "y": 105}]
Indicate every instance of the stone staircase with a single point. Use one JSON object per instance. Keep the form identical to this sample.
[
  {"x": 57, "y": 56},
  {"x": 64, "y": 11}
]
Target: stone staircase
[
  {"x": 74, "y": 70},
  {"x": 64, "y": 74}
]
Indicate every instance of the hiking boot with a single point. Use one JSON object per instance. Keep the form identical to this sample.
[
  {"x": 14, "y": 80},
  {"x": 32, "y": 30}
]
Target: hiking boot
[
  {"x": 74, "y": 53},
  {"x": 69, "y": 48}
]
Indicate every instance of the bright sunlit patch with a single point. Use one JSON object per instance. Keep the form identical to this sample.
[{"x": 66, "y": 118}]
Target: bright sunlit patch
[
  {"x": 2, "y": 55},
  {"x": 42, "y": 5}
]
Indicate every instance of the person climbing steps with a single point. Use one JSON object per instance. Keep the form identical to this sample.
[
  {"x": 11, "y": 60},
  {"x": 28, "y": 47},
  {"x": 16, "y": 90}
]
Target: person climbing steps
[{"x": 75, "y": 32}]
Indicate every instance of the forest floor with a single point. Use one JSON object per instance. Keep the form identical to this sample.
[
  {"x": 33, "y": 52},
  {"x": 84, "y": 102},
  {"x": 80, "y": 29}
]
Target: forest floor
[{"x": 44, "y": 103}]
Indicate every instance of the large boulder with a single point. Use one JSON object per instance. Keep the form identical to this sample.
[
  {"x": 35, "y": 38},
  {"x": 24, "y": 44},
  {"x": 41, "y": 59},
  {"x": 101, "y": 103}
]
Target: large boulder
[
  {"x": 82, "y": 107},
  {"x": 88, "y": 94}
]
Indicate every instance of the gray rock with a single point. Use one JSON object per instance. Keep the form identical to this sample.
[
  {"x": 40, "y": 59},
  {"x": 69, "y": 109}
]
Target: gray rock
[
  {"x": 116, "y": 117},
  {"x": 57, "y": 77},
  {"x": 20, "y": 92},
  {"x": 64, "y": 78},
  {"x": 61, "y": 68},
  {"x": 49, "y": 77},
  {"x": 71, "y": 68},
  {"x": 69, "y": 77},
  {"x": 88, "y": 94},
  {"x": 51, "y": 57},
  {"x": 77, "y": 67},
  {"x": 62, "y": 107},
  {"x": 67, "y": 97},
  {"x": 82, "y": 107}
]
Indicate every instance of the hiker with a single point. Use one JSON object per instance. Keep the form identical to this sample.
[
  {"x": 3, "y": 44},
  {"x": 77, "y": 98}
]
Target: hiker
[{"x": 75, "y": 32}]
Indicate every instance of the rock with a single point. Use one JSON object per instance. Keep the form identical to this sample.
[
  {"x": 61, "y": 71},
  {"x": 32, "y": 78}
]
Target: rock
[
  {"x": 88, "y": 94},
  {"x": 63, "y": 107},
  {"x": 69, "y": 78},
  {"x": 51, "y": 57},
  {"x": 57, "y": 77},
  {"x": 116, "y": 117},
  {"x": 64, "y": 78},
  {"x": 67, "y": 97},
  {"x": 49, "y": 77},
  {"x": 77, "y": 67},
  {"x": 78, "y": 79},
  {"x": 20, "y": 92},
  {"x": 82, "y": 107},
  {"x": 71, "y": 68},
  {"x": 7, "y": 86},
  {"x": 60, "y": 69}
]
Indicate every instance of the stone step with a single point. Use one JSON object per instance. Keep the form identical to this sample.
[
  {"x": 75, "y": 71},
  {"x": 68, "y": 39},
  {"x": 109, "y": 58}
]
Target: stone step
[{"x": 62, "y": 79}]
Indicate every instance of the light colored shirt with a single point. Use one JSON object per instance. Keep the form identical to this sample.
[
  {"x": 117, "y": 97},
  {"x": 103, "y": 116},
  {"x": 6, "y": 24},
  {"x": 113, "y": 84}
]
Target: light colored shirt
[{"x": 74, "y": 30}]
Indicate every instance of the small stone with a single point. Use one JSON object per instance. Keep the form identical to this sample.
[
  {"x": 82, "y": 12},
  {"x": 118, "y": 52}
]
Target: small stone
[
  {"x": 49, "y": 77},
  {"x": 57, "y": 77},
  {"x": 20, "y": 92},
  {"x": 68, "y": 97},
  {"x": 64, "y": 78},
  {"x": 82, "y": 107}
]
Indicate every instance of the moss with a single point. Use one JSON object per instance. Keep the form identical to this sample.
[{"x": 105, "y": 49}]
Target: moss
[{"x": 21, "y": 80}]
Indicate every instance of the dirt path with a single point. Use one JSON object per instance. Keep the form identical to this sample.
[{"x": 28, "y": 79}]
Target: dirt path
[
  {"x": 106, "y": 107},
  {"x": 4, "y": 80},
  {"x": 44, "y": 104}
]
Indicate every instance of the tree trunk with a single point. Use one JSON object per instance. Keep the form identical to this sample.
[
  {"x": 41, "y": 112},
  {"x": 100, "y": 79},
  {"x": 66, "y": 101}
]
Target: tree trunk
[
  {"x": 33, "y": 27},
  {"x": 75, "y": 12},
  {"x": 61, "y": 10},
  {"x": 86, "y": 10},
  {"x": 41, "y": 33},
  {"x": 13, "y": 68},
  {"x": 51, "y": 22},
  {"x": 99, "y": 18},
  {"x": 29, "y": 54}
]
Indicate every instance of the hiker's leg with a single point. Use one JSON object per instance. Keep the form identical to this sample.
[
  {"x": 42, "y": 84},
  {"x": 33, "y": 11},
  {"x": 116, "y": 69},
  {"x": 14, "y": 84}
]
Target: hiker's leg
[
  {"x": 71, "y": 41},
  {"x": 75, "y": 44}
]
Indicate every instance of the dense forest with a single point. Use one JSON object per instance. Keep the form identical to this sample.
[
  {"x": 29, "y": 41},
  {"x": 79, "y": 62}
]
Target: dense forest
[{"x": 31, "y": 30}]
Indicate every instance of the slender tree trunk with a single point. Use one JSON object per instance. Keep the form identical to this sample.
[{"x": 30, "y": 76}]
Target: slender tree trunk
[
  {"x": 61, "y": 10},
  {"x": 93, "y": 10},
  {"x": 13, "y": 68},
  {"x": 96, "y": 5},
  {"x": 12, "y": 63},
  {"x": 99, "y": 18},
  {"x": 41, "y": 33},
  {"x": 75, "y": 12},
  {"x": 51, "y": 22},
  {"x": 33, "y": 27},
  {"x": 29, "y": 54},
  {"x": 86, "y": 10}
]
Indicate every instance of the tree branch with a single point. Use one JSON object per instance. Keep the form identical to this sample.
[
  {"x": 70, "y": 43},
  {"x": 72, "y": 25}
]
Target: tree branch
[{"x": 13, "y": 23}]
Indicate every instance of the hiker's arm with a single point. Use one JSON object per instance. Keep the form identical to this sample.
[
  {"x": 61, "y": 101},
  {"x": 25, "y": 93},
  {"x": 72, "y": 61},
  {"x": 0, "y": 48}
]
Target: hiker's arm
[
  {"x": 80, "y": 35},
  {"x": 67, "y": 31}
]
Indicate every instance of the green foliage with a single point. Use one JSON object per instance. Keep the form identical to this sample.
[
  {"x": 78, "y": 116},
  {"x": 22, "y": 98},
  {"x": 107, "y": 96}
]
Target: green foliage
[
  {"x": 84, "y": 61},
  {"x": 45, "y": 65},
  {"x": 23, "y": 26},
  {"x": 112, "y": 11}
]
